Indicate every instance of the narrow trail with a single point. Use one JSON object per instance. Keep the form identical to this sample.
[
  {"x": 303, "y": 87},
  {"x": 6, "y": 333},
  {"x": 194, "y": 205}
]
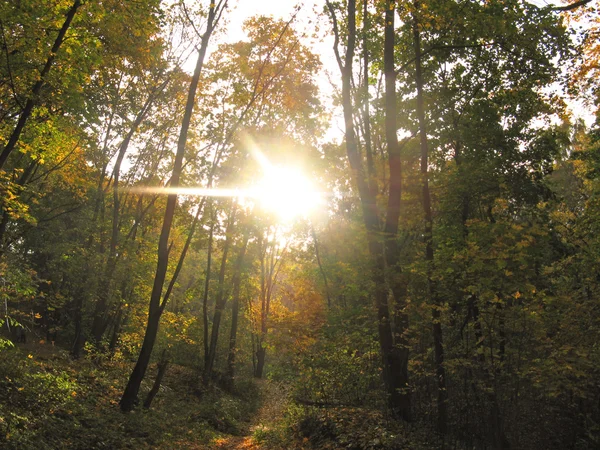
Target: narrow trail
[{"x": 273, "y": 402}]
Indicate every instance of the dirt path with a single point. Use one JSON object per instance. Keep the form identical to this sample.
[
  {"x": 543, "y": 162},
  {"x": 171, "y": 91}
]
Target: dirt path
[{"x": 270, "y": 411}]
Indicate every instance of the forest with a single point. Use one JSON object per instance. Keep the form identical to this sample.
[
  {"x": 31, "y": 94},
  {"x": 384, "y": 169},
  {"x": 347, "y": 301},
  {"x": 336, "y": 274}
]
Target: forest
[{"x": 346, "y": 224}]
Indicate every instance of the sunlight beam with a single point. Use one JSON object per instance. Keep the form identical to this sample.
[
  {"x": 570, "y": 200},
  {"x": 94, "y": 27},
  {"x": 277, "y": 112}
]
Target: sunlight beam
[{"x": 282, "y": 190}]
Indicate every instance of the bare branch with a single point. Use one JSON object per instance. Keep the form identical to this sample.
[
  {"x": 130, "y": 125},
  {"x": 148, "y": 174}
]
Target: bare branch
[
  {"x": 336, "y": 33},
  {"x": 571, "y": 6}
]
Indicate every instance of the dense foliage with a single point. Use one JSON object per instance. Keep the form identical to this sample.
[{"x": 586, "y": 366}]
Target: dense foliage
[{"x": 444, "y": 292}]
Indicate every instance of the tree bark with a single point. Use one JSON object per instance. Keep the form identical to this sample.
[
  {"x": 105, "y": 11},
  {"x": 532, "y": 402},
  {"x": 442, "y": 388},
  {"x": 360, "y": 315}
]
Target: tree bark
[
  {"x": 398, "y": 353},
  {"x": 271, "y": 260},
  {"x": 130, "y": 394},
  {"x": 79, "y": 340},
  {"x": 372, "y": 182},
  {"x": 114, "y": 340}
]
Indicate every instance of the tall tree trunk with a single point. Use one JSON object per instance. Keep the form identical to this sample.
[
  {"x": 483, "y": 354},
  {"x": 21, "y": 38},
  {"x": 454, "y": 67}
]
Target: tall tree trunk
[
  {"x": 206, "y": 286},
  {"x": 372, "y": 182},
  {"x": 37, "y": 87},
  {"x": 235, "y": 308},
  {"x": 438, "y": 344},
  {"x": 399, "y": 352},
  {"x": 129, "y": 398},
  {"x": 271, "y": 261},
  {"x": 394, "y": 357},
  {"x": 221, "y": 299},
  {"x": 114, "y": 340},
  {"x": 265, "y": 280},
  {"x": 79, "y": 340}
]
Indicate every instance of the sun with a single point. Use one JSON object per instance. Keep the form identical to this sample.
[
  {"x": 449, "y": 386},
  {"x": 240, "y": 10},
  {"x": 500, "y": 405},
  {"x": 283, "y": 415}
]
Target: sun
[
  {"x": 282, "y": 190},
  {"x": 287, "y": 192}
]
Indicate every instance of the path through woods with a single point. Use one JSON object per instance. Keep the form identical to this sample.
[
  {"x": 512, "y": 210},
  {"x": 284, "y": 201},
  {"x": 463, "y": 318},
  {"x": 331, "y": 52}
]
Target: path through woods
[{"x": 273, "y": 401}]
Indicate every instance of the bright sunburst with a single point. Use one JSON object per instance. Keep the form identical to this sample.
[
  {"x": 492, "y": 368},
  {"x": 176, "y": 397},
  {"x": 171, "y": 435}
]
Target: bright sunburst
[
  {"x": 283, "y": 190},
  {"x": 287, "y": 192}
]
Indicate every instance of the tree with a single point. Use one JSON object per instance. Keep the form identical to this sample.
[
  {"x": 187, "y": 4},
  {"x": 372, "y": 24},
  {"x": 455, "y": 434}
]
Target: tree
[
  {"x": 271, "y": 251},
  {"x": 129, "y": 397},
  {"x": 394, "y": 350},
  {"x": 37, "y": 87}
]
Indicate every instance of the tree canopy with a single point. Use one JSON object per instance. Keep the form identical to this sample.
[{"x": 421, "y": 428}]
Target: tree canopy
[{"x": 374, "y": 222}]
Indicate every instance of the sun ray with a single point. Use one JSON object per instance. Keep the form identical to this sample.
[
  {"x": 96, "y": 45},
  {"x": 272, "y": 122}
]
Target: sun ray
[
  {"x": 192, "y": 191},
  {"x": 283, "y": 190}
]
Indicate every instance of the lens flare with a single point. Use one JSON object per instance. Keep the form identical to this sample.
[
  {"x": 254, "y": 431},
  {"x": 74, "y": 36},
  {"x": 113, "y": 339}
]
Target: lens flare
[
  {"x": 287, "y": 192},
  {"x": 284, "y": 191}
]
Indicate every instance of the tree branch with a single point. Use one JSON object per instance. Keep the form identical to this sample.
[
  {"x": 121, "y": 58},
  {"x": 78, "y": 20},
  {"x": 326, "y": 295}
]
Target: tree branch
[{"x": 570, "y": 6}]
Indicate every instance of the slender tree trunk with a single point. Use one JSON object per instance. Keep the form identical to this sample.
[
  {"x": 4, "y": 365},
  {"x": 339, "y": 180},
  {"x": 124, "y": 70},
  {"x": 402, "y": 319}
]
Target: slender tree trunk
[
  {"x": 398, "y": 353},
  {"x": 372, "y": 182},
  {"x": 206, "y": 287},
  {"x": 162, "y": 369},
  {"x": 37, "y": 87},
  {"x": 101, "y": 318},
  {"x": 221, "y": 299},
  {"x": 116, "y": 332},
  {"x": 264, "y": 292},
  {"x": 102, "y": 176},
  {"x": 394, "y": 357},
  {"x": 130, "y": 394},
  {"x": 271, "y": 260},
  {"x": 323, "y": 274},
  {"x": 235, "y": 309},
  {"x": 438, "y": 344},
  {"x": 253, "y": 346},
  {"x": 183, "y": 254},
  {"x": 79, "y": 341}
]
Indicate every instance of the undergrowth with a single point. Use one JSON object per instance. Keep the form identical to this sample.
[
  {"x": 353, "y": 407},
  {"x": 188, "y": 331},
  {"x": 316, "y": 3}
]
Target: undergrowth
[
  {"x": 49, "y": 401},
  {"x": 343, "y": 428}
]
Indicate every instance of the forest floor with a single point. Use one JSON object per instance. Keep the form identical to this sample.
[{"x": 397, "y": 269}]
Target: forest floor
[
  {"x": 50, "y": 401},
  {"x": 270, "y": 411}
]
